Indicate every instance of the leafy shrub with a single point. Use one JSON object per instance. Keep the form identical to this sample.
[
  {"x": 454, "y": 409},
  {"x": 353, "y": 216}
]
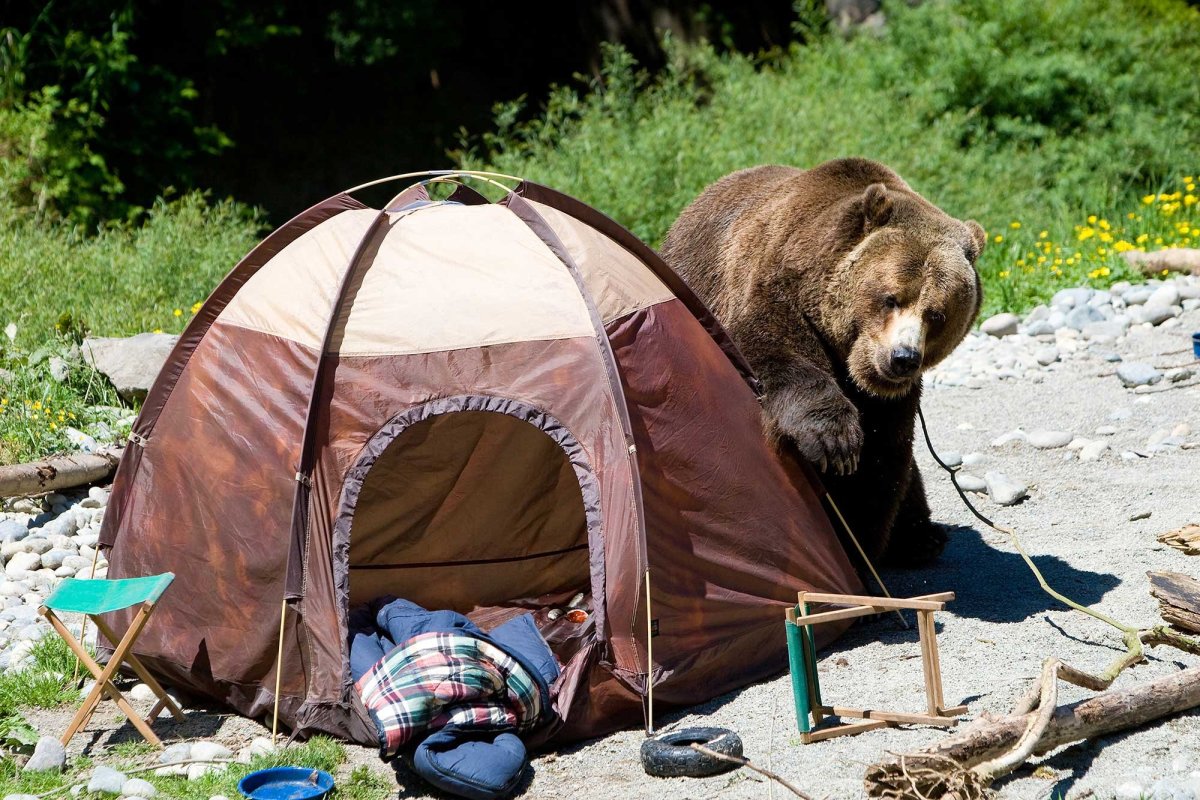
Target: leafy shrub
[{"x": 999, "y": 110}]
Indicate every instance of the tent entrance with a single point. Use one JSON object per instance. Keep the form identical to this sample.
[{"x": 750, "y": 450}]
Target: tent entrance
[{"x": 475, "y": 510}]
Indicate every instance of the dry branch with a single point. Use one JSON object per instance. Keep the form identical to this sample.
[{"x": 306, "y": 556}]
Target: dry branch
[
  {"x": 927, "y": 773},
  {"x": 1178, "y": 599},
  {"x": 57, "y": 472}
]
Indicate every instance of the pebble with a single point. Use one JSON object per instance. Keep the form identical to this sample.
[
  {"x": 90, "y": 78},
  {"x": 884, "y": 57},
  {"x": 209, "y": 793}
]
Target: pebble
[
  {"x": 1000, "y": 325},
  {"x": 210, "y": 751},
  {"x": 198, "y": 771},
  {"x": 48, "y": 754},
  {"x": 1138, "y": 374},
  {"x": 1164, "y": 295},
  {"x": 12, "y": 531},
  {"x": 1093, "y": 450},
  {"x": 1145, "y": 514},
  {"x": 1048, "y": 440},
  {"x": 1012, "y": 436},
  {"x": 1178, "y": 374},
  {"x": 174, "y": 753},
  {"x": 136, "y": 787},
  {"x": 971, "y": 483},
  {"x": 1003, "y": 490},
  {"x": 1046, "y": 355},
  {"x": 951, "y": 458},
  {"x": 106, "y": 780},
  {"x": 972, "y": 459}
]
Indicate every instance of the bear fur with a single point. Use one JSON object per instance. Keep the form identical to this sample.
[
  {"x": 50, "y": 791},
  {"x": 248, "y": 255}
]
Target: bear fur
[{"x": 841, "y": 285}]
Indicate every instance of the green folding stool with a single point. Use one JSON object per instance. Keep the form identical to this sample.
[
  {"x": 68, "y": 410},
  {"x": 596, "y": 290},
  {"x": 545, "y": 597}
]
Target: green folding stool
[{"x": 93, "y": 598}]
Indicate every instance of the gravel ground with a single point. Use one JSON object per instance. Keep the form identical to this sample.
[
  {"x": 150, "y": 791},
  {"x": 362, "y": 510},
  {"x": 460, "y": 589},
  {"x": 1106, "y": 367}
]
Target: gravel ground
[{"x": 1077, "y": 522}]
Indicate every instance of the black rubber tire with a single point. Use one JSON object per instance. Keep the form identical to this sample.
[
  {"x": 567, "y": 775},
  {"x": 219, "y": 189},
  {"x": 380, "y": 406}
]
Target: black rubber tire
[{"x": 669, "y": 755}]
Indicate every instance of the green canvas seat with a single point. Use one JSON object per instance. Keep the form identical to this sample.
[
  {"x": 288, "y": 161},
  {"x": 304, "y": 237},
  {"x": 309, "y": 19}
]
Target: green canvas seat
[
  {"x": 94, "y": 597},
  {"x": 102, "y": 596}
]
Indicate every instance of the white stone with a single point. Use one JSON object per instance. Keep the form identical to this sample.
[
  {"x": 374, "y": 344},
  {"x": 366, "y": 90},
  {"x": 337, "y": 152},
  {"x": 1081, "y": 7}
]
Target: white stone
[
  {"x": 143, "y": 693},
  {"x": 197, "y": 771},
  {"x": 951, "y": 458},
  {"x": 972, "y": 459},
  {"x": 1137, "y": 374},
  {"x": 1046, "y": 355},
  {"x": 1048, "y": 440},
  {"x": 106, "y": 780},
  {"x": 99, "y": 494},
  {"x": 1182, "y": 429},
  {"x": 21, "y": 564},
  {"x": 1165, "y": 295},
  {"x": 1178, "y": 374},
  {"x": 1093, "y": 450},
  {"x": 140, "y": 788},
  {"x": 1000, "y": 325},
  {"x": 210, "y": 751},
  {"x": 261, "y": 746},
  {"x": 48, "y": 754},
  {"x": 1128, "y": 790},
  {"x": 1017, "y": 435},
  {"x": 1003, "y": 490},
  {"x": 971, "y": 483},
  {"x": 174, "y": 753}
]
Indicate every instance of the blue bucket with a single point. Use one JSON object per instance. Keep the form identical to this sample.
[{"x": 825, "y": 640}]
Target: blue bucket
[
  {"x": 1196, "y": 344},
  {"x": 286, "y": 783}
]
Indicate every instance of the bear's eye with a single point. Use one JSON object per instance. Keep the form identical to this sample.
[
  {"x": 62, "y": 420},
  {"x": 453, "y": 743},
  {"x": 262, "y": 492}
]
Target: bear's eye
[
  {"x": 936, "y": 317},
  {"x": 891, "y": 302}
]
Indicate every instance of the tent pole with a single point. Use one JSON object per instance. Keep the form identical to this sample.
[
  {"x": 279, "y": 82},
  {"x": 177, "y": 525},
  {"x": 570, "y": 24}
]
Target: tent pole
[
  {"x": 649, "y": 659},
  {"x": 278, "y": 673}
]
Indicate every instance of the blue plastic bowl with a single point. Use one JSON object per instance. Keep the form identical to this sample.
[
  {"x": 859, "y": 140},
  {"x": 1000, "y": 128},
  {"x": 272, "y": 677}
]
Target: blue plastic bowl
[
  {"x": 286, "y": 783},
  {"x": 1196, "y": 344}
]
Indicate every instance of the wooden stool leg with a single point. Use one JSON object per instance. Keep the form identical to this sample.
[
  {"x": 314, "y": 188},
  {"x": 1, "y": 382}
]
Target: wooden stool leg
[
  {"x": 929, "y": 662},
  {"x": 164, "y": 701}
]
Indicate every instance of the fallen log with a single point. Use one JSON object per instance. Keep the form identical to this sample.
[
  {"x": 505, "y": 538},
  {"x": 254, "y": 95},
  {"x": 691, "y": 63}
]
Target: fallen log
[
  {"x": 57, "y": 472},
  {"x": 1178, "y": 599},
  {"x": 942, "y": 770},
  {"x": 1174, "y": 259}
]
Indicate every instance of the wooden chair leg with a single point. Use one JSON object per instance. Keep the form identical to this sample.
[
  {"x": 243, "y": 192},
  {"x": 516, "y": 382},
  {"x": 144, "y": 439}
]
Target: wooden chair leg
[
  {"x": 928, "y": 660},
  {"x": 938, "y": 700},
  {"x": 164, "y": 700}
]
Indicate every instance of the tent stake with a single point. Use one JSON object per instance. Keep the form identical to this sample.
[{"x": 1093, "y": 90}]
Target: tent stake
[
  {"x": 649, "y": 659},
  {"x": 278, "y": 673}
]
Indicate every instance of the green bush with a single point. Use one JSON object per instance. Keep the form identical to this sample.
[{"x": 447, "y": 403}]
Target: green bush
[{"x": 1000, "y": 110}]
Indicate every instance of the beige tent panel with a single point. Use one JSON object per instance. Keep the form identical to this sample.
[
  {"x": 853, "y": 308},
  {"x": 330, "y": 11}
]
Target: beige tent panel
[
  {"x": 618, "y": 281},
  {"x": 443, "y": 278}
]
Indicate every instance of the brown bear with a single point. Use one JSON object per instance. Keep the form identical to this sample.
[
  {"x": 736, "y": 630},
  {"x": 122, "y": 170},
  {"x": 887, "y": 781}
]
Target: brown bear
[{"x": 841, "y": 285}]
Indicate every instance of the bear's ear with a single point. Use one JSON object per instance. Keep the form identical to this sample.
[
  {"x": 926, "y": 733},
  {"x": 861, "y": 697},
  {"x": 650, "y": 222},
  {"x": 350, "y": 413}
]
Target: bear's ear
[
  {"x": 978, "y": 235},
  {"x": 877, "y": 206}
]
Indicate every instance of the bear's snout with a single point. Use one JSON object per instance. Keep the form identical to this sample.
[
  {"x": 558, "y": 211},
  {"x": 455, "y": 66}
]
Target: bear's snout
[{"x": 905, "y": 361}]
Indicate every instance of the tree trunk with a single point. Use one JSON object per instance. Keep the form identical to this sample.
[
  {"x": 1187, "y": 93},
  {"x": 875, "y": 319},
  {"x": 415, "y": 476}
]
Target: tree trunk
[
  {"x": 57, "y": 472},
  {"x": 985, "y": 740}
]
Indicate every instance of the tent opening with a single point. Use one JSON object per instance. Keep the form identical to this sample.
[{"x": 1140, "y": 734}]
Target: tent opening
[{"x": 475, "y": 511}]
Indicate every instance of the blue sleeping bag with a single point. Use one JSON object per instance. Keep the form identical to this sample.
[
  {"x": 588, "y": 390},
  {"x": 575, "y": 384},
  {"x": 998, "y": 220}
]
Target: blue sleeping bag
[{"x": 478, "y": 763}]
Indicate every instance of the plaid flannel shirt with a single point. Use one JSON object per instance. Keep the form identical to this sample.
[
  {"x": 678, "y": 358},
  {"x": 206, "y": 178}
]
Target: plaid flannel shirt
[{"x": 439, "y": 679}]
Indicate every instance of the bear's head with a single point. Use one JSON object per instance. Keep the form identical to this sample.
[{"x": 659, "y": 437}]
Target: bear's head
[{"x": 907, "y": 289}]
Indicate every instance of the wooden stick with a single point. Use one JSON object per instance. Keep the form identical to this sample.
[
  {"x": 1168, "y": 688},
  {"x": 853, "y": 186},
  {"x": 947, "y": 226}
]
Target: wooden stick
[
  {"x": 849, "y": 729},
  {"x": 928, "y": 602},
  {"x": 57, "y": 472},
  {"x": 745, "y": 762},
  {"x": 890, "y": 716},
  {"x": 1097, "y": 716}
]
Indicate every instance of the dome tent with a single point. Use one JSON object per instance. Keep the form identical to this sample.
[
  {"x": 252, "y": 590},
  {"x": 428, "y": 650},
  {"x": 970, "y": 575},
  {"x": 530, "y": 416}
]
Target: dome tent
[{"x": 488, "y": 407}]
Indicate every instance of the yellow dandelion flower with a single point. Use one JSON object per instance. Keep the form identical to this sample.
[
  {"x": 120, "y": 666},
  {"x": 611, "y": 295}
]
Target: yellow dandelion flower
[
  {"x": 1014, "y": 225},
  {"x": 53, "y": 427},
  {"x": 1104, "y": 226},
  {"x": 1020, "y": 262},
  {"x": 1101, "y": 251},
  {"x": 1041, "y": 259},
  {"x": 157, "y": 330},
  {"x": 1148, "y": 199},
  {"x": 1043, "y": 234},
  {"x": 3, "y": 401},
  {"x": 1130, "y": 215},
  {"x": 70, "y": 415},
  {"x": 1166, "y": 272},
  {"x": 1105, "y": 236},
  {"x": 1086, "y": 233},
  {"x": 1070, "y": 261},
  {"x": 1105, "y": 272},
  {"x": 37, "y": 406},
  {"x": 1004, "y": 273},
  {"x": 1158, "y": 240},
  {"x": 1189, "y": 200},
  {"x": 1191, "y": 187},
  {"x": 998, "y": 238},
  {"x": 1142, "y": 238},
  {"x": 178, "y": 312},
  {"x": 1091, "y": 219},
  {"x": 1122, "y": 246}
]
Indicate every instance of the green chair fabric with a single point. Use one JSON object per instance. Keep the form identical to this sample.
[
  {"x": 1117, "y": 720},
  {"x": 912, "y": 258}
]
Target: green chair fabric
[{"x": 100, "y": 596}]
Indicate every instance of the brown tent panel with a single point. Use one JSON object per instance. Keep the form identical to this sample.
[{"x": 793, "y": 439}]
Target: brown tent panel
[{"x": 489, "y": 407}]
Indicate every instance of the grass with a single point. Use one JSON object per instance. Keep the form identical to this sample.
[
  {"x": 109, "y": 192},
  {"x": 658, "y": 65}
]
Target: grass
[
  {"x": 318, "y": 753},
  {"x": 998, "y": 110},
  {"x": 61, "y": 285}
]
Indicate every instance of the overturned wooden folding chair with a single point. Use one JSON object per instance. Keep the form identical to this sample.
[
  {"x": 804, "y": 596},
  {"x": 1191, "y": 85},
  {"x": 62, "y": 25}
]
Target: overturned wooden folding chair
[{"x": 96, "y": 597}]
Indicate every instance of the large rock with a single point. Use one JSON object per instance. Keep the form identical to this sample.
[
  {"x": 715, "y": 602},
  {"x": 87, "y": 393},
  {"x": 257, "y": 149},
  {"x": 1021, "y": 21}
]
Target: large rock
[
  {"x": 132, "y": 363},
  {"x": 1133, "y": 373},
  {"x": 1000, "y": 325},
  {"x": 12, "y": 531},
  {"x": 49, "y": 754}
]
